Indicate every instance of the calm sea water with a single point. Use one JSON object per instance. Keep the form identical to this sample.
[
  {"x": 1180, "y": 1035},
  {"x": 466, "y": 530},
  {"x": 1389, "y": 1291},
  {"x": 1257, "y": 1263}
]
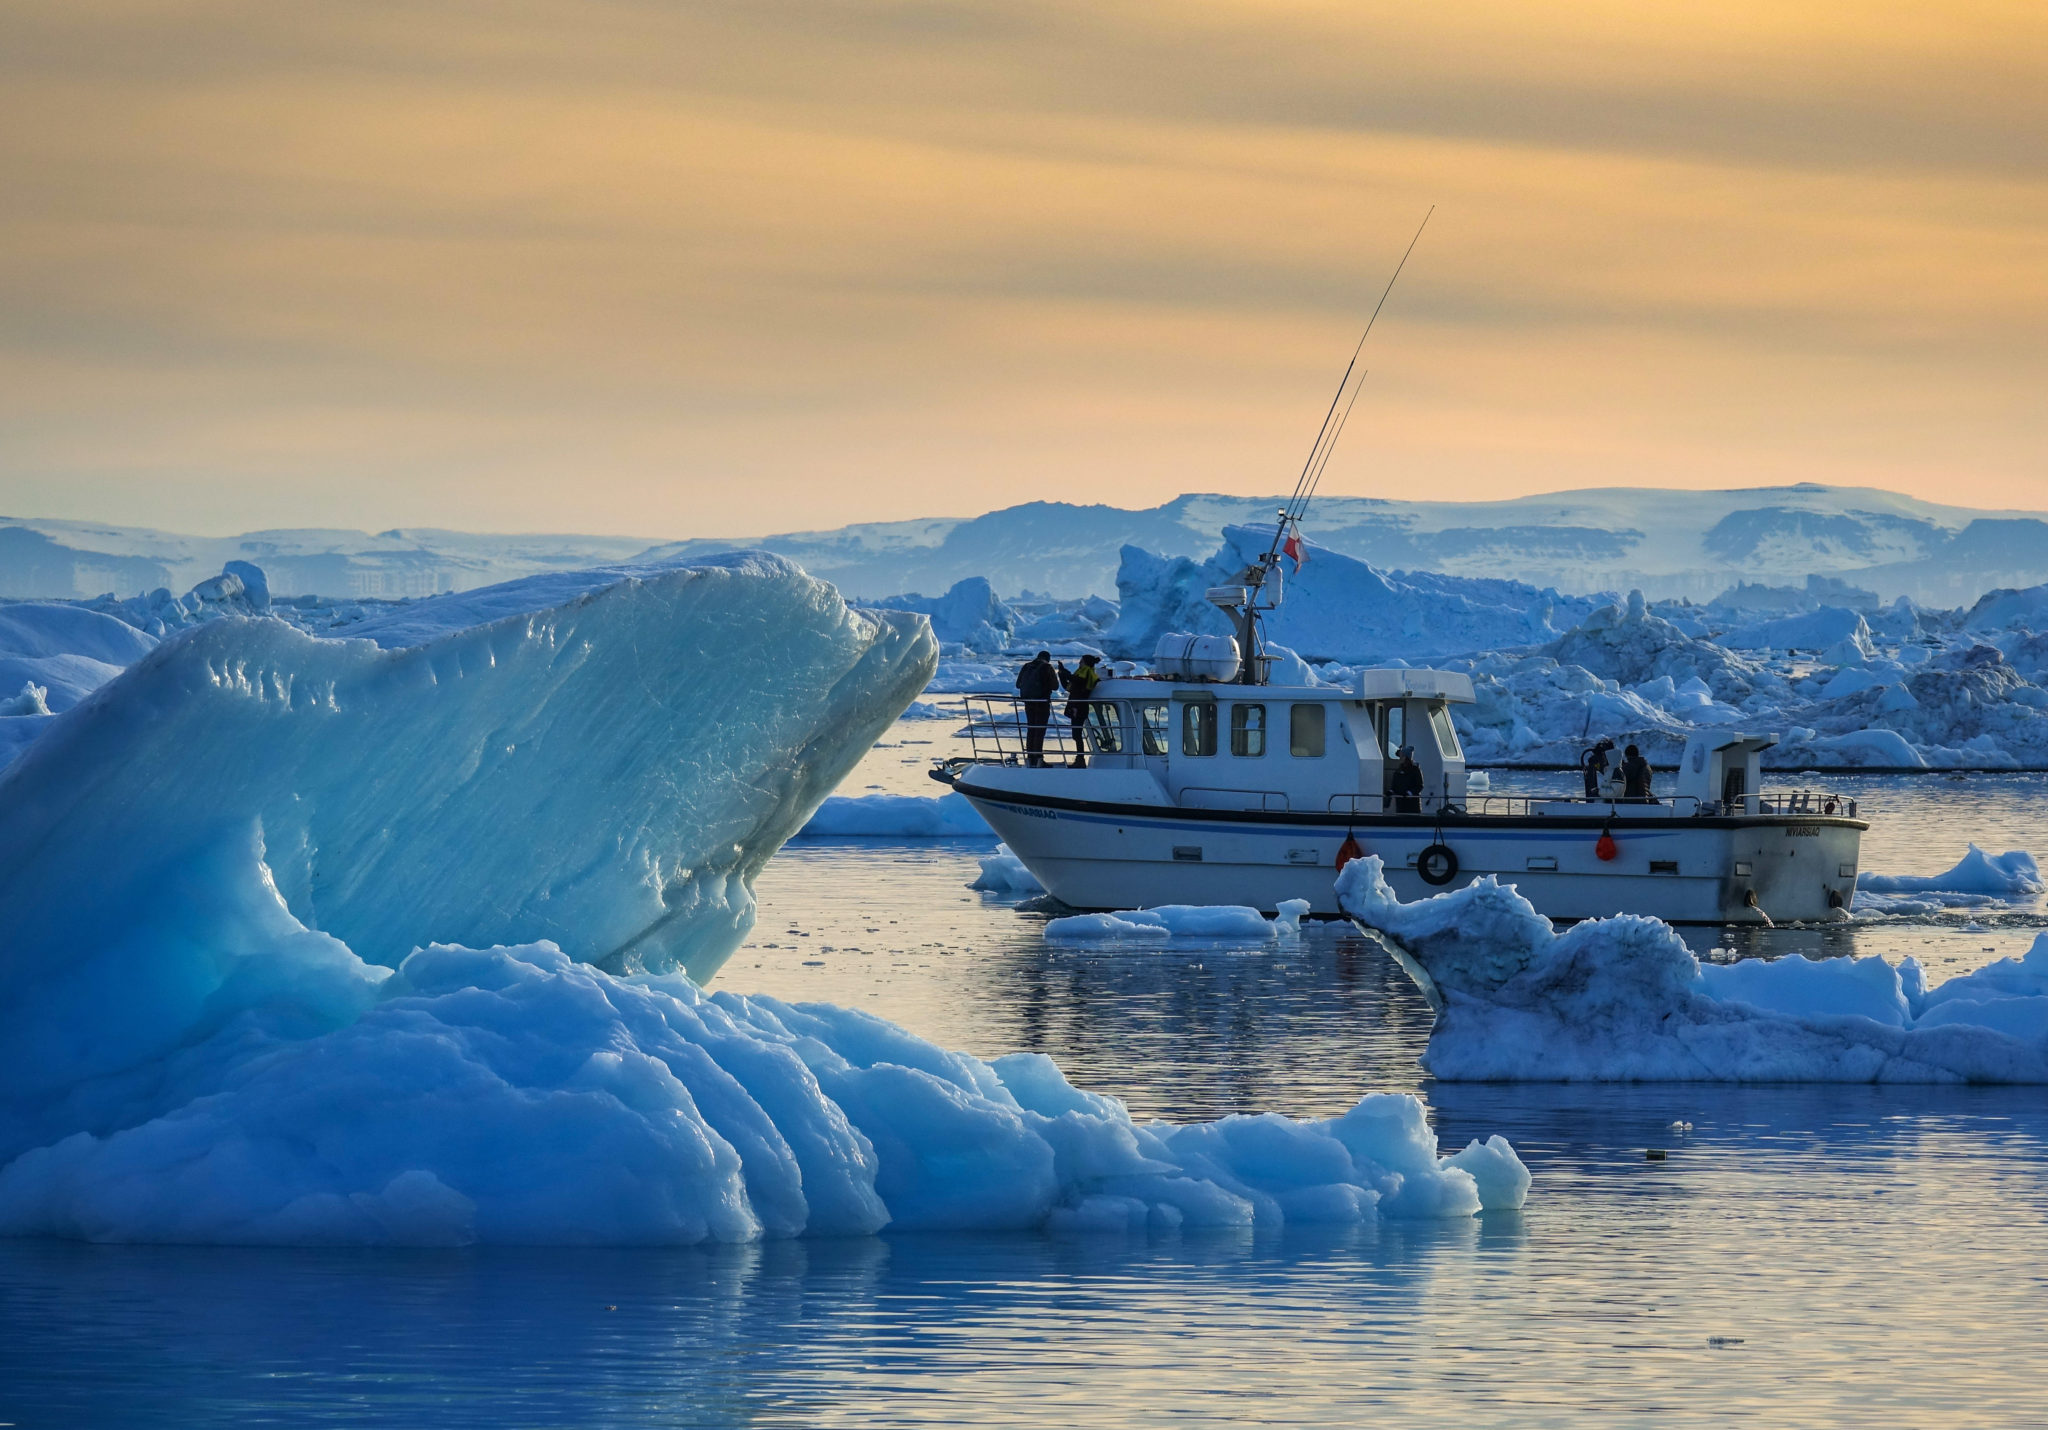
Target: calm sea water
[{"x": 1805, "y": 1256}]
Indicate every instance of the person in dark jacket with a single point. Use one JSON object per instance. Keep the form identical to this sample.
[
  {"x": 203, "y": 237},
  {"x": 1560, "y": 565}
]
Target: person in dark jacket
[
  {"x": 1593, "y": 763},
  {"x": 1035, "y": 683},
  {"x": 1080, "y": 683},
  {"x": 1635, "y": 777},
  {"x": 1405, "y": 784}
]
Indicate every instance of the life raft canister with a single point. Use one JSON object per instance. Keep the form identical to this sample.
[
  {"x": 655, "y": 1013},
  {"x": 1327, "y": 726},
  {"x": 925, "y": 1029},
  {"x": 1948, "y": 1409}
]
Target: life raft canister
[{"x": 1350, "y": 849}]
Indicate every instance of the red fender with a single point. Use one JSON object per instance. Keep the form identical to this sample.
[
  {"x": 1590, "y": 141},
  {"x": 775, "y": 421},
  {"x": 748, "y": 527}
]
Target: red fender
[
  {"x": 1350, "y": 849},
  {"x": 1607, "y": 849}
]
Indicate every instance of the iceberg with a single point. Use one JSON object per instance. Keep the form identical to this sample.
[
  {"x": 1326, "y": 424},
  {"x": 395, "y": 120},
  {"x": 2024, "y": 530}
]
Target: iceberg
[
  {"x": 514, "y": 1095},
  {"x": 1624, "y": 1000},
  {"x": 896, "y": 816},
  {"x": 304, "y": 940},
  {"x": 65, "y": 651},
  {"x": 1004, "y": 873},
  {"x": 1337, "y": 607},
  {"x": 1977, "y": 879},
  {"x": 604, "y": 760}
]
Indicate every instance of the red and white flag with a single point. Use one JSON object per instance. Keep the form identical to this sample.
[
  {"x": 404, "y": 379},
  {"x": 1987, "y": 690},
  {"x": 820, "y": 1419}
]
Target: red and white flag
[{"x": 1293, "y": 547}]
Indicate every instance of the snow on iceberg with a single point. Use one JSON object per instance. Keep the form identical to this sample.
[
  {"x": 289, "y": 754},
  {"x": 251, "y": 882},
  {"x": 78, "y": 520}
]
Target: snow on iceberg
[
  {"x": 896, "y": 816},
  {"x": 1624, "y": 1000}
]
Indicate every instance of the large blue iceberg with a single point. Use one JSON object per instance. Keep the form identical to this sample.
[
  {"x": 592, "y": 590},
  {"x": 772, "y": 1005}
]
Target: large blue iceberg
[{"x": 401, "y": 940}]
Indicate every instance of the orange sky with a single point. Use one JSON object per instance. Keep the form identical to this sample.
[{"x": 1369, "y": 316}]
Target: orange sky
[{"x": 676, "y": 269}]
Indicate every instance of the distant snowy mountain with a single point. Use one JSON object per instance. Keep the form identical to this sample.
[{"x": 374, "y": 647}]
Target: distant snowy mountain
[
  {"x": 1665, "y": 543},
  {"x": 42, "y": 559}
]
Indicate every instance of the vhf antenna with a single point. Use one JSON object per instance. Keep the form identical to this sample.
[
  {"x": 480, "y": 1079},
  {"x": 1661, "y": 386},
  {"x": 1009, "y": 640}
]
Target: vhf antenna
[{"x": 1333, "y": 422}]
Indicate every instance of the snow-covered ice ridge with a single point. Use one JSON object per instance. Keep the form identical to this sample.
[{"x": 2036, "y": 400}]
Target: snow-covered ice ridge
[
  {"x": 1624, "y": 1000},
  {"x": 303, "y": 941}
]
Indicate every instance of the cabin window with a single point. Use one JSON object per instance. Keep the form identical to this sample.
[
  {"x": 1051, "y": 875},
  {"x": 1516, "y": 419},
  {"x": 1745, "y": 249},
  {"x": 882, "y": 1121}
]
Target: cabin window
[
  {"x": 1446, "y": 733},
  {"x": 1305, "y": 731},
  {"x": 1152, "y": 728},
  {"x": 1248, "y": 730},
  {"x": 1198, "y": 729},
  {"x": 1106, "y": 726},
  {"x": 1394, "y": 724}
]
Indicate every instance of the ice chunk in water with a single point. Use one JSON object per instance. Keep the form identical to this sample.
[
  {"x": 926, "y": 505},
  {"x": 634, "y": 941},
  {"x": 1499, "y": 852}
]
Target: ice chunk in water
[{"x": 1624, "y": 999}]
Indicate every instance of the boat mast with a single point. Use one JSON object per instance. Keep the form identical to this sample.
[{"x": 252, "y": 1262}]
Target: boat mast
[{"x": 1241, "y": 601}]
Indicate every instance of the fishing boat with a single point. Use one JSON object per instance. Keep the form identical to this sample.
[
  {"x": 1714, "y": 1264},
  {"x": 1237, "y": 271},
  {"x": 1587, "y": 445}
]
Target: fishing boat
[
  {"x": 1199, "y": 781},
  {"x": 1224, "y": 792}
]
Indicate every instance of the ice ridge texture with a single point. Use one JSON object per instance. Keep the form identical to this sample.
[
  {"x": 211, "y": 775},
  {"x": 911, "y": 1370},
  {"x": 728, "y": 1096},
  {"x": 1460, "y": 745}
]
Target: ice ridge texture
[
  {"x": 1624, "y": 1000},
  {"x": 514, "y": 1095},
  {"x": 604, "y": 763}
]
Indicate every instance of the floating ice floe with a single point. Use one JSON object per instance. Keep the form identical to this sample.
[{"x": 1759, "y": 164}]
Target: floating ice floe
[
  {"x": 1205, "y": 922},
  {"x": 1978, "y": 879},
  {"x": 1623, "y": 999},
  {"x": 896, "y": 816},
  {"x": 1004, "y": 873}
]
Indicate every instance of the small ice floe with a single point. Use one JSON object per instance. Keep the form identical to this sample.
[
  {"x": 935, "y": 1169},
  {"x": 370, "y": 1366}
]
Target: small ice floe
[
  {"x": 1004, "y": 873},
  {"x": 1288, "y": 916},
  {"x": 1624, "y": 1000},
  {"x": 1978, "y": 880},
  {"x": 1207, "y": 922},
  {"x": 1683, "y": 1129}
]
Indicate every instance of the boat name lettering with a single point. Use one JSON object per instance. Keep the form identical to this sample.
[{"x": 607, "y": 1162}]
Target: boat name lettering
[
  {"x": 1802, "y": 831},
  {"x": 1029, "y": 812}
]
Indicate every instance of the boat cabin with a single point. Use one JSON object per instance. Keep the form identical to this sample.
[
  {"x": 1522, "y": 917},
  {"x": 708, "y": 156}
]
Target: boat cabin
[{"x": 1218, "y": 745}]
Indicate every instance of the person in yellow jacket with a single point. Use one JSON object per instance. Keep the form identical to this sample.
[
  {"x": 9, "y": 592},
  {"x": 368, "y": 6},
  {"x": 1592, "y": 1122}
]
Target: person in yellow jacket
[{"x": 1080, "y": 683}]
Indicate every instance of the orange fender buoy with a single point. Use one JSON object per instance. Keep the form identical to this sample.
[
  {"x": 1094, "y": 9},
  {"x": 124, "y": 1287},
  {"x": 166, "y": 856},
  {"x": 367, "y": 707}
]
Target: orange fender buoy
[
  {"x": 1607, "y": 849},
  {"x": 1350, "y": 849}
]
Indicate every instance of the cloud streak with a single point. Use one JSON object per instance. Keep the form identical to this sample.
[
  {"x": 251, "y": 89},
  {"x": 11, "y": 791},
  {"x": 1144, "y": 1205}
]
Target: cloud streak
[{"x": 603, "y": 266}]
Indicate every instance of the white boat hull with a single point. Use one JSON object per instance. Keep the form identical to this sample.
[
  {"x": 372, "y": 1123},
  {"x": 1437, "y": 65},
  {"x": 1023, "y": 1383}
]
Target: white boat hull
[{"x": 1730, "y": 869}]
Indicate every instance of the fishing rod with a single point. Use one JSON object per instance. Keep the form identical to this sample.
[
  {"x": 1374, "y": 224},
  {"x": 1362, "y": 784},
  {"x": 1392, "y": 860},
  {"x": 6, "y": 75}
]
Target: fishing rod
[{"x": 1333, "y": 423}]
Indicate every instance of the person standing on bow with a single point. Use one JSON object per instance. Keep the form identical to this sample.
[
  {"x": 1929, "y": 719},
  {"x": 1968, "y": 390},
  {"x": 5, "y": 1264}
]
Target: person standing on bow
[
  {"x": 1081, "y": 682},
  {"x": 1035, "y": 684}
]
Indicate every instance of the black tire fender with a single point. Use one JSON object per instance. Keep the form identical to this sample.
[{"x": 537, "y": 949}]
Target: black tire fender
[{"x": 1437, "y": 864}]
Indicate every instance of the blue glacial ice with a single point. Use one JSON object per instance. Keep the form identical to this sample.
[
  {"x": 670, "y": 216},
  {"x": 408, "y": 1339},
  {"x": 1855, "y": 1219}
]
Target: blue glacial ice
[
  {"x": 1977, "y": 880},
  {"x": 896, "y": 816},
  {"x": 1003, "y": 873},
  {"x": 1624, "y": 1000},
  {"x": 389, "y": 940}
]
